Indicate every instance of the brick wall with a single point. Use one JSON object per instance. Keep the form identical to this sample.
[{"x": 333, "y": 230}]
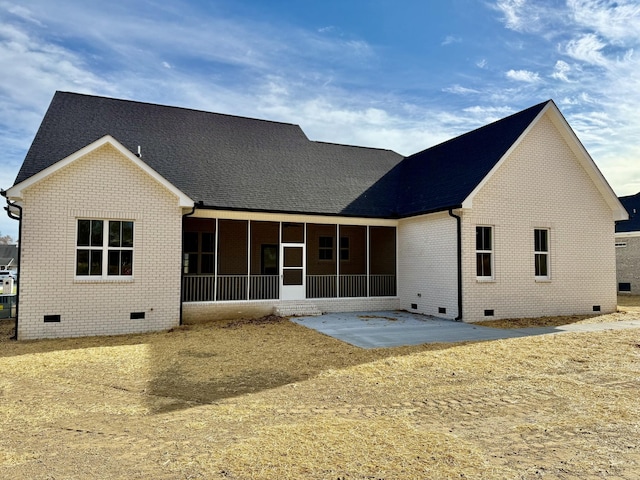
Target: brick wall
[
  {"x": 541, "y": 185},
  {"x": 199, "y": 312},
  {"x": 628, "y": 261},
  {"x": 428, "y": 265},
  {"x": 101, "y": 185}
]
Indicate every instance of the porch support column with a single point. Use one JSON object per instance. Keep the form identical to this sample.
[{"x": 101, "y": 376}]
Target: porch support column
[
  {"x": 368, "y": 263},
  {"x": 338, "y": 260},
  {"x": 248, "y": 260},
  {"x": 215, "y": 266}
]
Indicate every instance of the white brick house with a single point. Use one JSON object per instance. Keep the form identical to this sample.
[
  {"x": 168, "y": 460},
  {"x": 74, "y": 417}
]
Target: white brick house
[
  {"x": 167, "y": 215},
  {"x": 628, "y": 247}
]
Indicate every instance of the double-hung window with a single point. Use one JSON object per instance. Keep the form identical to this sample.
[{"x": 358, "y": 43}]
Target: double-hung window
[
  {"x": 484, "y": 252},
  {"x": 541, "y": 253},
  {"x": 325, "y": 248},
  {"x": 104, "y": 248}
]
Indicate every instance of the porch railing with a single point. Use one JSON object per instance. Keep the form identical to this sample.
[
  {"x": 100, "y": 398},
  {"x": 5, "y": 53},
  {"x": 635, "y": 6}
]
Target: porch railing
[
  {"x": 353, "y": 285},
  {"x": 201, "y": 288},
  {"x": 321, "y": 286},
  {"x": 264, "y": 287},
  {"x": 382, "y": 285}
]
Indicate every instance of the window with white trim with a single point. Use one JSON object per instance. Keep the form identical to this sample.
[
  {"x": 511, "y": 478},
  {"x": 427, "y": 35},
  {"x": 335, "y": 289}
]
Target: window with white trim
[
  {"x": 104, "y": 248},
  {"x": 541, "y": 252},
  {"x": 484, "y": 252}
]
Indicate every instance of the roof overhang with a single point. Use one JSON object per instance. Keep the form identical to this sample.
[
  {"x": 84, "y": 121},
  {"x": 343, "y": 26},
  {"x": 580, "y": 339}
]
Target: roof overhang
[
  {"x": 627, "y": 234},
  {"x": 15, "y": 193},
  {"x": 565, "y": 130}
]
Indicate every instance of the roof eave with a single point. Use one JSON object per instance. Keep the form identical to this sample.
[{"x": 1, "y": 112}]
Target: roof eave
[{"x": 15, "y": 193}]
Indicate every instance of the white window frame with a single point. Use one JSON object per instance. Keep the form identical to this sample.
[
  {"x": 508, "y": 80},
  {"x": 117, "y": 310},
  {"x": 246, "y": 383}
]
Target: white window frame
[
  {"x": 104, "y": 248},
  {"x": 539, "y": 253},
  {"x": 489, "y": 251}
]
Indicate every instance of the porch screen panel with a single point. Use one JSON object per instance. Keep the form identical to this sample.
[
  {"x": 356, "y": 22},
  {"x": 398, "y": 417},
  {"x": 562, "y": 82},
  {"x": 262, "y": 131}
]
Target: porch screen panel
[
  {"x": 233, "y": 263},
  {"x": 264, "y": 263},
  {"x": 199, "y": 246},
  {"x": 322, "y": 254},
  {"x": 198, "y": 259},
  {"x": 353, "y": 261},
  {"x": 382, "y": 261}
]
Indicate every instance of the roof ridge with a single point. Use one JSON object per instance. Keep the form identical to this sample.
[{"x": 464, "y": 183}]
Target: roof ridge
[
  {"x": 485, "y": 126},
  {"x": 356, "y": 146},
  {"x": 188, "y": 109}
]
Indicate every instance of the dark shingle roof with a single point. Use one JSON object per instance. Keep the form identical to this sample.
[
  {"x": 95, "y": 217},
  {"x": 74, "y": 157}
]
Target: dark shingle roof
[
  {"x": 443, "y": 176},
  {"x": 222, "y": 160},
  {"x": 231, "y": 162},
  {"x": 632, "y": 204}
]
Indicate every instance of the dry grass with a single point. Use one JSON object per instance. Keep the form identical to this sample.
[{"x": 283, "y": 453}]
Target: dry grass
[{"x": 271, "y": 399}]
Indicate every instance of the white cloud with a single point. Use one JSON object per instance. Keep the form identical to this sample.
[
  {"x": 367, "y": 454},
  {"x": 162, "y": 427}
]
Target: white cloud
[
  {"x": 617, "y": 21},
  {"x": 460, "y": 90},
  {"x": 512, "y": 11},
  {"x": 449, "y": 39},
  {"x": 561, "y": 70},
  {"x": 523, "y": 76},
  {"x": 588, "y": 49}
]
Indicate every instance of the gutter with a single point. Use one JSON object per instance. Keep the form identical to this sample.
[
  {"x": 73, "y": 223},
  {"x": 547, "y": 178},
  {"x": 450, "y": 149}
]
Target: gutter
[
  {"x": 184, "y": 216},
  {"x": 459, "y": 249},
  {"x": 13, "y": 216}
]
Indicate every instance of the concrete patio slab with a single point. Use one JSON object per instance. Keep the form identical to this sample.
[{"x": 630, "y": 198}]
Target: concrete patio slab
[{"x": 398, "y": 328}]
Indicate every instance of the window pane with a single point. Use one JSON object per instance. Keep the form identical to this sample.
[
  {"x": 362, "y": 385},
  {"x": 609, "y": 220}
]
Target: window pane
[
  {"x": 127, "y": 234},
  {"x": 114, "y": 262},
  {"x": 326, "y": 242},
  {"x": 191, "y": 263},
  {"x": 84, "y": 233},
  {"x": 126, "y": 262},
  {"x": 207, "y": 263},
  {"x": 483, "y": 264},
  {"x": 95, "y": 262},
  {"x": 191, "y": 242},
  {"x": 114, "y": 235},
  {"x": 82, "y": 262},
  {"x": 325, "y": 254},
  {"x": 541, "y": 265},
  {"x": 96, "y": 233},
  {"x": 483, "y": 238},
  {"x": 208, "y": 242}
]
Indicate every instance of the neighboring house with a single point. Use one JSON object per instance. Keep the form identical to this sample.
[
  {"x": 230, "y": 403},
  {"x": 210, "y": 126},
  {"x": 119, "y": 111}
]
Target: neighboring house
[
  {"x": 160, "y": 215},
  {"x": 628, "y": 247},
  {"x": 8, "y": 257}
]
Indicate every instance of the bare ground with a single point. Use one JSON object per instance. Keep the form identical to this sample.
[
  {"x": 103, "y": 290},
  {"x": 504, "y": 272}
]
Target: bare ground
[{"x": 270, "y": 399}]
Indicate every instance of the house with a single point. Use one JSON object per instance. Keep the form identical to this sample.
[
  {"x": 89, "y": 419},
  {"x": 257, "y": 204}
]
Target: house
[
  {"x": 628, "y": 247},
  {"x": 8, "y": 257},
  {"x": 166, "y": 215}
]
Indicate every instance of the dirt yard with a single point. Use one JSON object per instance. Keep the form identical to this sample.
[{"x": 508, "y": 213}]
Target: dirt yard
[{"x": 268, "y": 399}]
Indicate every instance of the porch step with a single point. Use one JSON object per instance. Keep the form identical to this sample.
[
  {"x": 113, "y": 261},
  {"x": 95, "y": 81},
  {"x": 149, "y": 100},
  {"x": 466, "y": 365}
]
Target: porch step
[{"x": 297, "y": 310}]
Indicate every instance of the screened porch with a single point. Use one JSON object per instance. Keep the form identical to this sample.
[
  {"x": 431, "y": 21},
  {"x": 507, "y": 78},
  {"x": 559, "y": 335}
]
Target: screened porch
[{"x": 235, "y": 260}]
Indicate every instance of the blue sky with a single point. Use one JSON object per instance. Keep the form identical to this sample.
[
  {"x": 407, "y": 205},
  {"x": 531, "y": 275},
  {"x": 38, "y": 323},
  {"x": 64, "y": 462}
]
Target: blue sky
[{"x": 395, "y": 74}]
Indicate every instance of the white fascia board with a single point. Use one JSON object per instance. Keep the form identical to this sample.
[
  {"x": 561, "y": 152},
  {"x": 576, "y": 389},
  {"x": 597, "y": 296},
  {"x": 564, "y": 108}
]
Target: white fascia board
[
  {"x": 15, "y": 192},
  {"x": 627, "y": 234},
  {"x": 618, "y": 211}
]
